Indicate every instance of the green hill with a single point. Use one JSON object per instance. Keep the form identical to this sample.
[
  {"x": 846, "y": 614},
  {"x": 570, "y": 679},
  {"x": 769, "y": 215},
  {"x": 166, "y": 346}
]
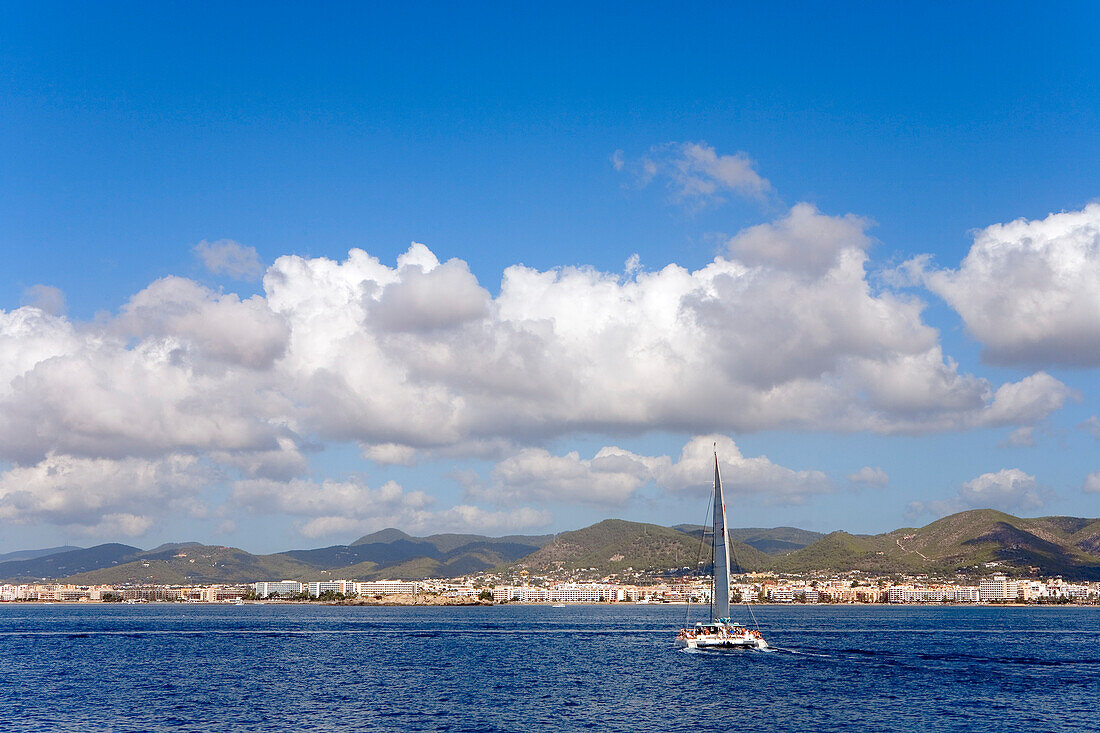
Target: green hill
[
  {"x": 770, "y": 541},
  {"x": 966, "y": 541},
  {"x": 391, "y": 553},
  {"x": 387, "y": 554},
  {"x": 193, "y": 563},
  {"x": 35, "y": 554},
  {"x": 473, "y": 557},
  {"x": 449, "y": 543},
  {"x": 1086, "y": 537},
  {"x": 1054, "y": 545},
  {"x": 67, "y": 563},
  {"x": 839, "y": 552},
  {"x": 969, "y": 541},
  {"x": 614, "y": 545}
]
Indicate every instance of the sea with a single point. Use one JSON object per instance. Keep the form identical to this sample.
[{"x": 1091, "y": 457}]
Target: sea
[{"x": 174, "y": 667}]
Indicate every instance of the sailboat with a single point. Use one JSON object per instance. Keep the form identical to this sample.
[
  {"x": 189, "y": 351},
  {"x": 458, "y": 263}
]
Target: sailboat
[{"x": 721, "y": 632}]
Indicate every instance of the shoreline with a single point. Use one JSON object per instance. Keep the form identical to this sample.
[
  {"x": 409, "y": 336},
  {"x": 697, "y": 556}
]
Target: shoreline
[{"x": 398, "y": 601}]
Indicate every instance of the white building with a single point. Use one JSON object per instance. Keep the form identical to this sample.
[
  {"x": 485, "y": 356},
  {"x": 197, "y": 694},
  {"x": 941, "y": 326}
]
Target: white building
[
  {"x": 1062, "y": 589},
  {"x": 577, "y": 592},
  {"x": 997, "y": 588},
  {"x": 917, "y": 594},
  {"x": 563, "y": 593},
  {"x": 12, "y": 592},
  {"x": 71, "y": 593},
  {"x": 317, "y": 587},
  {"x": 385, "y": 587},
  {"x": 965, "y": 594},
  {"x": 523, "y": 593},
  {"x": 747, "y": 590},
  {"x": 781, "y": 594},
  {"x": 1027, "y": 590},
  {"x": 284, "y": 588}
]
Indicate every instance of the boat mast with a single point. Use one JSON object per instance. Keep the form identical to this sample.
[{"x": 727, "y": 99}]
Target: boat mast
[{"x": 721, "y": 591}]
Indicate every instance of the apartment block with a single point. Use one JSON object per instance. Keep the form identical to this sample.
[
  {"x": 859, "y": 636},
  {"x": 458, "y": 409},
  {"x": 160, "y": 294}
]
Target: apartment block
[
  {"x": 385, "y": 587},
  {"x": 284, "y": 588}
]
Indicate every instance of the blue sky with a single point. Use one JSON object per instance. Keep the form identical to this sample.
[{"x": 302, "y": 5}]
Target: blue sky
[{"x": 131, "y": 133}]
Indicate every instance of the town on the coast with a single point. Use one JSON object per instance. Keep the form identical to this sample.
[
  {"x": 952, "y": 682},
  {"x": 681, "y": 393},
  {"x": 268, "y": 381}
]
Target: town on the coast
[{"x": 850, "y": 588}]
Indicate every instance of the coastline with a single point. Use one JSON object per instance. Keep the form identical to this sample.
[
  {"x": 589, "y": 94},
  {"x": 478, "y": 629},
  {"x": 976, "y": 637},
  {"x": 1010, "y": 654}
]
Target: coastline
[
  {"x": 408, "y": 599},
  {"x": 429, "y": 600}
]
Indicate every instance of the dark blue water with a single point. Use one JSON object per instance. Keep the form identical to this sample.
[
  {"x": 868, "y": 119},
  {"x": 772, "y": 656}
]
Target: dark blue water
[{"x": 512, "y": 668}]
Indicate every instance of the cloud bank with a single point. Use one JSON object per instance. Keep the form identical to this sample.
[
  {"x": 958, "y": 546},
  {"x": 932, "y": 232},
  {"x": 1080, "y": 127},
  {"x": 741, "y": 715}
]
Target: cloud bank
[
  {"x": 419, "y": 360},
  {"x": 614, "y": 475}
]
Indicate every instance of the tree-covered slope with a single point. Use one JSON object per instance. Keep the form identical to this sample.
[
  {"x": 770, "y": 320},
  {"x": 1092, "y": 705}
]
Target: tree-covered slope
[
  {"x": 770, "y": 541},
  {"x": 61, "y": 564},
  {"x": 194, "y": 563},
  {"x": 614, "y": 545},
  {"x": 967, "y": 541}
]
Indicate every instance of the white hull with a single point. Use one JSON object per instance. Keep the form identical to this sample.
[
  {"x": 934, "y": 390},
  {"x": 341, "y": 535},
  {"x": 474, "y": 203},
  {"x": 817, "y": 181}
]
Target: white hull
[
  {"x": 723, "y": 643},
  {"x": 721, "y": 634}
]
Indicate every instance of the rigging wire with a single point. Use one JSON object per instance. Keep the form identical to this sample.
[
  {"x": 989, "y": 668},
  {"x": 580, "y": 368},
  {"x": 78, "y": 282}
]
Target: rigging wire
[
  {"x": 698, "y": 561},
  {"x": 733, "y": 554}
]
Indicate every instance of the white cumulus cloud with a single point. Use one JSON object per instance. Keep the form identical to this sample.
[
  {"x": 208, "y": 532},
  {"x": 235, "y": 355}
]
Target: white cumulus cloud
[
  {"x": 805, "y": 240},
  {"x": 282, "y": 463},
  {"x": 1029, "y": 291},
  {"x": 418, "y": 359},
  {"x": 106, "y": 400},
  {"x": 1091, "y": 426},
  {"x": 869, "y": 476},
  {"x": 609, "y": 478},
  {"x": 614, "y": 475},
  {"x": 122, "y": 524},
  {"x": 226, "y": 257},
  {"x": 332, "y": 507},
  {"x": 1021, "y": 437},
  {"x": 46, "y": 298},
  {"x": 727, "y": 347},
  {"x": 218, "y": 327},
  {"x": 696, "y": 174},
  {"x": 390, "y": 454},
  {"x": 741, "y": 475},
  {"x": 101, "y": 494},
  {"x": 1009, "y": 490},
  {"x": 432, "y": 297}
]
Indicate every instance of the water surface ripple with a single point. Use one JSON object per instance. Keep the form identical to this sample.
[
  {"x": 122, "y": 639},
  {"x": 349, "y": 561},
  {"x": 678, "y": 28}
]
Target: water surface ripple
[{"x": 512, "y": 668}]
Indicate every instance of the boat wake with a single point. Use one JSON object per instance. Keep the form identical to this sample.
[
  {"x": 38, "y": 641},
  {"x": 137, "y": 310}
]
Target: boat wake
[
  {"x": 796, "y": 652},
  {"x": 727, "y": 652}
]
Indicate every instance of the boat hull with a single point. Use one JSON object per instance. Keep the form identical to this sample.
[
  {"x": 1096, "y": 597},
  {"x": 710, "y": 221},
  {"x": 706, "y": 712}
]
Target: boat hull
[
  {"x": 723, "y": 644},
  {"x": 721, "y": 634}
]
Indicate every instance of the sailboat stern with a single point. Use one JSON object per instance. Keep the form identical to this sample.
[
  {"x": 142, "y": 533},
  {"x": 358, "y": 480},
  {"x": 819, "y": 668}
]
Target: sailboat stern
[{"x": 720, "y": 635}]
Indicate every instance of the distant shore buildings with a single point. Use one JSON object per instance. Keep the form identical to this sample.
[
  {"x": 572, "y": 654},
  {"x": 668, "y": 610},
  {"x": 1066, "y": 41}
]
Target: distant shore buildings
[
  {"x": 997, "y": 588},
  {"x": 292, "y": 588}
]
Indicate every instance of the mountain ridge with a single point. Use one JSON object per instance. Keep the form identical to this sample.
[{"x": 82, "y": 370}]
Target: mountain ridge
[
  {"x": 63, "y": 564},
  {"x": 979, "y": 540},
  {"x": 770, "y": 541},
  {"x": 17, "y": 555},
  {"x": 616, "y": 545}
]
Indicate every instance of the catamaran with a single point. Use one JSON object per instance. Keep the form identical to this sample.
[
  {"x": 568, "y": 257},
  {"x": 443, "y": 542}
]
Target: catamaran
[{"x": 722, "y": 632}]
